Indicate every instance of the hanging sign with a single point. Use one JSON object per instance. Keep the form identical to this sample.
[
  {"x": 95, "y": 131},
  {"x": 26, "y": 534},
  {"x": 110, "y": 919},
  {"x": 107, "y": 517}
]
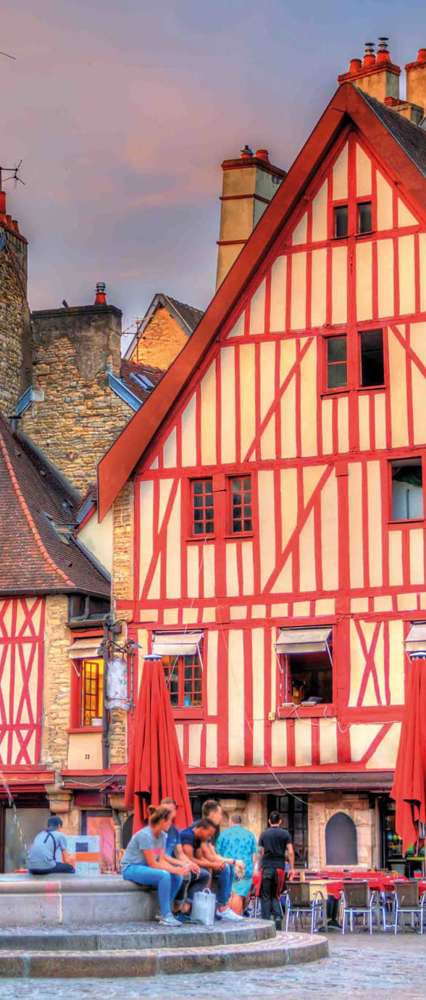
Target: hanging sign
[{"x": 117, "y": 695}]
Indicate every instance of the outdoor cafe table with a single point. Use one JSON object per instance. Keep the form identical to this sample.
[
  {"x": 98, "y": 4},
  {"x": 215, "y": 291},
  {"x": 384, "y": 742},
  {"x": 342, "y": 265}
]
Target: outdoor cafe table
[{"x": 377, "y": 881}]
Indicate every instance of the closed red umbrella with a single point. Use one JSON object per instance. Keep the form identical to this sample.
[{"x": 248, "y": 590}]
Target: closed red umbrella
[
  {"x": 409, "y": 786},
  {"x": 155, "y": 768}
]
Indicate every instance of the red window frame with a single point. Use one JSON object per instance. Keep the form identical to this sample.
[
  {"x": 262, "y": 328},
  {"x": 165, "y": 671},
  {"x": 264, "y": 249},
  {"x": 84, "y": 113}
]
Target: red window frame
[
  {"x": 336, "y": 364},
  {"x": 240, "y": 512},
  {"x": 202, "y": 490},
  {"x": 89, "y": 703},
  {"x": 184, "y": 680}
]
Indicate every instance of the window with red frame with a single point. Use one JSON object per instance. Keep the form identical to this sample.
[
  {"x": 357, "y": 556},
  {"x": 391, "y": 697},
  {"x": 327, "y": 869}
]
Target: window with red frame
[
  {"x": 241, "y": 504},
  {"x": 91, "y": 692},
  {"x": 202, "y": 506},
  {"x": 184, "y": 680},
  {"x": 337, "y": 362}
]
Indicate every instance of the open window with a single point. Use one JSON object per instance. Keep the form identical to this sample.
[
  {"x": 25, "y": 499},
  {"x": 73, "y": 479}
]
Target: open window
[
  {"x": 340, "y": 221},
  {"x": 181, "y": 657},
  {"x": 307, "y": 665},
  {"x": 371, "y": 351},
  {"x": 336, "y": 362},
  {"x": 407, "y": 489}
]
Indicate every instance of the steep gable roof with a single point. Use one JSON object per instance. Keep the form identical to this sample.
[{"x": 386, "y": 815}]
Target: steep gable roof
[
  {"x": 37, "y": 551},
  {"x": 185, "y": 315},
  {"x": 393, "y": 142}
]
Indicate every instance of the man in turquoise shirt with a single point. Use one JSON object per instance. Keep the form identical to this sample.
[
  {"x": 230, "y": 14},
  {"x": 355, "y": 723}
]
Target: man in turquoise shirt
[{"x": 240, "y": 844}]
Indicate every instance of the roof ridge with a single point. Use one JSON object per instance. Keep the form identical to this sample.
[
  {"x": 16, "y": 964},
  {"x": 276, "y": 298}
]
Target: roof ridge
[{"x": 28, "y": 516}]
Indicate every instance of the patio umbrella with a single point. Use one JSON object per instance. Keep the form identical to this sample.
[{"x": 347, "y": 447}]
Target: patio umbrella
[
  {"x": 155, "y": 766},
  {"x": 409, "y": 785}
]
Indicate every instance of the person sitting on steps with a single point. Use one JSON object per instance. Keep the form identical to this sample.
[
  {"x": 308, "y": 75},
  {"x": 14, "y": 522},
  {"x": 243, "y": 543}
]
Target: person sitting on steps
[
  {"x": 198, "y": 878},
  {"x": 197, "y": 842},
  {"x": 48, "y": 852},
  {"x": 144, "y": 862}
]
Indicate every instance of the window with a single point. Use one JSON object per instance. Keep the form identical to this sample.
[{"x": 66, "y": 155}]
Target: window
[
  {"x": 241, "y": 505},
  {"x": 184, "y": 680},
  {"x": 364, "y": 217},
  {"x": 180, "y": 654},
  {"x": 407, "y": 489},
  {"x": 337, "y": 369},
  {"x": 372, "y": 366},
  {"x": 202, "y": 507},
  {"x": 91, "y": 692},
  {"x": 340, "y": 221},
  {"x": 307, "y": 665}
]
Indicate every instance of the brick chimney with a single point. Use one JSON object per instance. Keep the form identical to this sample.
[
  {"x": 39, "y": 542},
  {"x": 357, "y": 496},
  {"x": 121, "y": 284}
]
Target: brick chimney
[
  {"x": 376, "y": 74},
  {"x": 416, "y": 82},
  {"x": 248, "y": 185}
]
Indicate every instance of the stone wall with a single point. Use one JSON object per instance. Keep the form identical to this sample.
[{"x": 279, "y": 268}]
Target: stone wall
[
  {"x": 323, "y": 805},
  {"x": 57, "y": 684},
  {"x": 123, "y": 542},
  {"x": 161, "y": 341},
  {"x": 79, "y": 416},
  {"x": 14, "y": 333}
]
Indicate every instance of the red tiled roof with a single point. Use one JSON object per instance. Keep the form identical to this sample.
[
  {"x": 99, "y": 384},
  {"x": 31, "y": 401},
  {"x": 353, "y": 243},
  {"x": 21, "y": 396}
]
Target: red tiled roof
[{"x": 37, "y": 551}]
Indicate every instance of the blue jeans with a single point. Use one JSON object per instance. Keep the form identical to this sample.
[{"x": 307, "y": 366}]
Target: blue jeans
[
  {"x": 167, "y": 885},
  {"x": 223, "y": 884}
]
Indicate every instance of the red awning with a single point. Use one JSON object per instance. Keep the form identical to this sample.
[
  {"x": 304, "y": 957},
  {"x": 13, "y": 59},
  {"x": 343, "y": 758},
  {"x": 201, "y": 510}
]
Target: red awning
[
  {"x": 155, "y": 766},
  {"x": 409, "y": 786}
]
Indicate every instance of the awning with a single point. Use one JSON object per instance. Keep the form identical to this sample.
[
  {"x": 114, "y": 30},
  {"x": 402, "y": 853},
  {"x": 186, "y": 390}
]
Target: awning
[
  {"x": 415, "y": 642},
  {"x": 303, "y": 640},
  {"x": 176, "y": 643},
  {"x": 85, "y": 649}
]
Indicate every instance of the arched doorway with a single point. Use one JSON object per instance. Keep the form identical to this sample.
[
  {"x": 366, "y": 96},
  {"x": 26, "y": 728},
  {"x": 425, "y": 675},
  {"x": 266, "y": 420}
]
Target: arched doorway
[{"x": 340, "y": 840}]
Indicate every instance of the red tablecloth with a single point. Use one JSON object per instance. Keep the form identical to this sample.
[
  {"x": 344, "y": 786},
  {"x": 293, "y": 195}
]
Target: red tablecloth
[{"x": 379, "y": 883}]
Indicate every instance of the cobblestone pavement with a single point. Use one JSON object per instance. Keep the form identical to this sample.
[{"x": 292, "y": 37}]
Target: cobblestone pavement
[{"x": 359, "y": 966}]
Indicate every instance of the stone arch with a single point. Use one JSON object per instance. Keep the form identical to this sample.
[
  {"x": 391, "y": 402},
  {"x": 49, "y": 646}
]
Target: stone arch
[{"x": 341, "y": 846}]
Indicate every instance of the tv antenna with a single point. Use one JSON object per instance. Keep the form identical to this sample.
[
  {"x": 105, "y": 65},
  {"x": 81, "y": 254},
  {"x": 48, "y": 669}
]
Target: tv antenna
[
  {"x": 12, "y": 175},
  {"x": 7, "y": 55}
]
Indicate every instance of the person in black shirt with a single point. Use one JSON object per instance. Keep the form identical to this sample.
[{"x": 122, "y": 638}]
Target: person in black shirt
[{"x": 275, "y": 848}]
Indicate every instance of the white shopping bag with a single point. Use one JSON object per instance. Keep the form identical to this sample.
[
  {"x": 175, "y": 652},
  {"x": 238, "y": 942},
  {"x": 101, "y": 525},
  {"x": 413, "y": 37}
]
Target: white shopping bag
[{"x": 203, "y": 907}]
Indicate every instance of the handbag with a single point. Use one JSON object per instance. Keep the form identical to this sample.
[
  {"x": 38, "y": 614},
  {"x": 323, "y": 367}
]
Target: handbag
[{"x": 203, "y": 907}]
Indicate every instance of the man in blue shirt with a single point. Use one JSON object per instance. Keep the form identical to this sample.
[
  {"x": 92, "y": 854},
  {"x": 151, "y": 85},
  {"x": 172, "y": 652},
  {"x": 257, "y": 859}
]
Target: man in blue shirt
[
  {"x": 198, "y": 878},
  {"x": 197, "y": 842}
]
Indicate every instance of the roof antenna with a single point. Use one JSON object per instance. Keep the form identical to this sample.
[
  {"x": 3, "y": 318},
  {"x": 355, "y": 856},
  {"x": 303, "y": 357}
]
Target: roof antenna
[
  {"x": 13, "y": 175},
  {"x": 7, "y": 55}
]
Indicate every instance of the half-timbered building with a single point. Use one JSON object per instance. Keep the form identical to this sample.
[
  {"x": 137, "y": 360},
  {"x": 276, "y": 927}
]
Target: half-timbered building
[{"x": 268, "y": 500}]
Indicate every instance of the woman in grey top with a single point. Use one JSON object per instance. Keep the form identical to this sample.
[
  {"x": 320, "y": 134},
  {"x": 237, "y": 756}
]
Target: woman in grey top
[{"x": 145, "y": 864}]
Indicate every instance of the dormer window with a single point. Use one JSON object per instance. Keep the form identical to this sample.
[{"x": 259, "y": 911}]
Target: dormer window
[{"x": 340, "y": 221}]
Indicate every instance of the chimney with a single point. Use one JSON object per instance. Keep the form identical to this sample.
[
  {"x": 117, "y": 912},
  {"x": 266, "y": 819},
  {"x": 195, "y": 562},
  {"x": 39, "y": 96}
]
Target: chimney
[
  {"x": 100, "y": 298},
  {"x": 16, "y": 242},
  {"x": 248, "y": 184},
  {"x": 377, "y": 75},
  {"x": 416, "y": 83}
]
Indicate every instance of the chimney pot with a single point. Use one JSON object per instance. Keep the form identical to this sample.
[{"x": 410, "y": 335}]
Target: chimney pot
[
  {"x": 421, "y": 56},
  {"x": 369, "y": 56},
  {"x": 355, "y": 66},
  {"x": 100, "y": 299},
  {"x": 2, "y": 202},
  {"x": 262, "y": 154},
  {"x": 246, "y": 152}
]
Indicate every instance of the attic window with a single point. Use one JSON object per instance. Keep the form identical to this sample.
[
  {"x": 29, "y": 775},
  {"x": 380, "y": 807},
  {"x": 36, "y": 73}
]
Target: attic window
[
  {"x": 340, "y": 221},
  {"x": 142, "y": 380}
]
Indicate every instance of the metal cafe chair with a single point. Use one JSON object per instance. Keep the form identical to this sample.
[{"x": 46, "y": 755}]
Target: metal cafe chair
[
  {"x": 300, "y": 902},
  {"x": 360, "y": 901},
  {"x": 407, "y": 902}
]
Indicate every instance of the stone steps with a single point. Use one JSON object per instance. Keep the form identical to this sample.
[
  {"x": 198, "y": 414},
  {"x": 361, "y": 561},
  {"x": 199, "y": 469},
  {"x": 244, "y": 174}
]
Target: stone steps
[
  {"x": 132, "y": 937},
  {"x": 281, "y": 950}
]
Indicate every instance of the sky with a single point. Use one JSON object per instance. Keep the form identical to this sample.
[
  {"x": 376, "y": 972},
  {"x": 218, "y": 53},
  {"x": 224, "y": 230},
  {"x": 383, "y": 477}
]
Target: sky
[{"x": 122, "y": 111}]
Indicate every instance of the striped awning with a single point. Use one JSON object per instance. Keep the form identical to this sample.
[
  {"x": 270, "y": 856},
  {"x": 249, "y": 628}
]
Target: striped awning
[
  {"x": 176, "y": 643},
  {"x": 415, "y": 642},
  {"x": 85, "y": 649},
  {"x": 303, "y": 640}
]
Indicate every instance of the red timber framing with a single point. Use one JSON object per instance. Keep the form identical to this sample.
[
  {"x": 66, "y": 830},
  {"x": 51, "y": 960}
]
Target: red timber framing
[
  {"x": 248, "y": 396},
  {"x": 21, "y": 676}
]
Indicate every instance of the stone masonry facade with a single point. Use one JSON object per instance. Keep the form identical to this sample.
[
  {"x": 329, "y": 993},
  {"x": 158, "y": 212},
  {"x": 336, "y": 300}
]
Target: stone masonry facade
[
  {"x": 80, "y": 416},
  {"x": 161, "y": 341},
  {"x": 14, "y": 332}
]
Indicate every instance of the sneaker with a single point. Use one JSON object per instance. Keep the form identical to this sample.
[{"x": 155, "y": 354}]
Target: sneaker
[
  {"x": 169, "y": 921},
  {"x": 228, "y": 914}
]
